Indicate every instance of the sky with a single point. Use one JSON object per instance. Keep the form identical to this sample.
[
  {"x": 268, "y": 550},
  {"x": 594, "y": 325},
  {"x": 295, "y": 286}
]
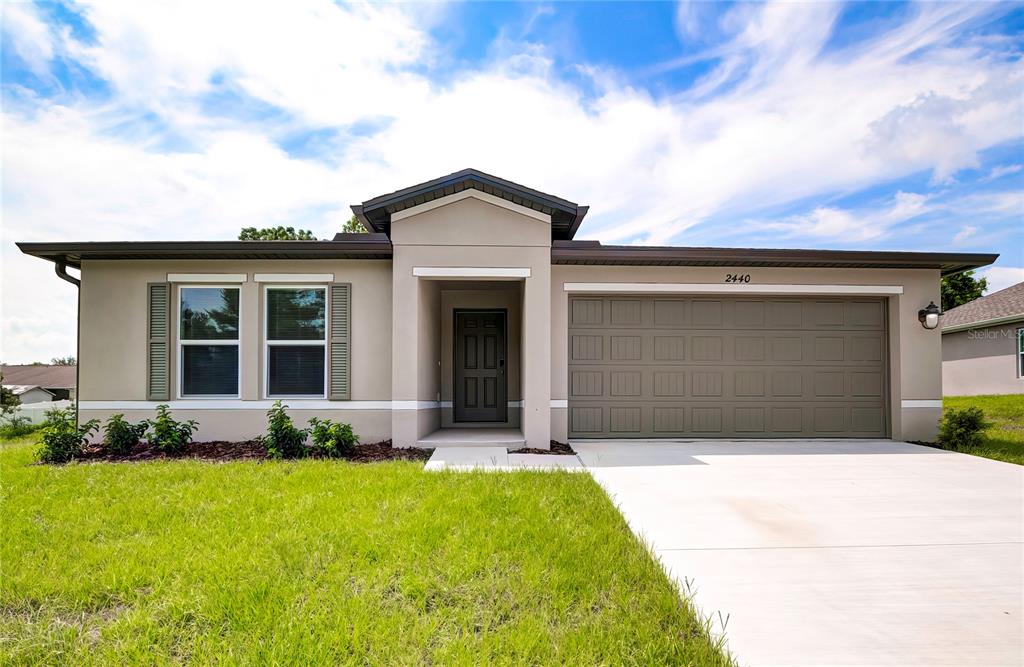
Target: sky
[{"x": 820, "y": 125}]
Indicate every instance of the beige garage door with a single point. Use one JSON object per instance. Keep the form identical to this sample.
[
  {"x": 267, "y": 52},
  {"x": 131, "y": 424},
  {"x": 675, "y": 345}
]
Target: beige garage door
[{"x": 754, "y": 367}]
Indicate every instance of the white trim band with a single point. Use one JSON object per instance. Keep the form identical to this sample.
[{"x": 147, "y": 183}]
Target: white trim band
[
  {"x": 559, "y": 403},
  {"x": 470, "y": 193},
  {"x": 731, "y": 288},
  {"x": 207, "y": 277},
  {"x": 508, "y": 273},
  {"x": 920, "y": 403},
  {"x": 264, "y": 404},
  {"x": 294, "y": 277}
]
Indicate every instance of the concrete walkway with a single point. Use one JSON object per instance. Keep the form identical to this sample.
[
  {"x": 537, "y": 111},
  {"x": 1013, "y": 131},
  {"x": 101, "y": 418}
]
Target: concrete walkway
[
  {"x": 497, "y": 458},
  {"x": 833, "y": 552}
]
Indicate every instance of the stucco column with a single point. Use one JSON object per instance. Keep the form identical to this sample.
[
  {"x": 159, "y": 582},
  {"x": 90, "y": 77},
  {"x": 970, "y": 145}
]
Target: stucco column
[
  {"x": 536, "y": 364},
  {"x": 251, "y": 332},
  {"x": 405, "y": 298}
]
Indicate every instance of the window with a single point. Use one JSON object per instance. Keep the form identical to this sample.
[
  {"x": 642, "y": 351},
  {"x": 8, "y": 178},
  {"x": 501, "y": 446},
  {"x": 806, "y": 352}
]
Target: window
[
  {"x": 296, "y": 341},
  {"x": 208, "y": 342},
  {"x": 1020, "y": 353}
]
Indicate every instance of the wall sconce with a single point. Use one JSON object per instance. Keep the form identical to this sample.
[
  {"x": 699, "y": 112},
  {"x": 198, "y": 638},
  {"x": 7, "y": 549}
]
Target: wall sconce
[{"x": 929, "y": 315}]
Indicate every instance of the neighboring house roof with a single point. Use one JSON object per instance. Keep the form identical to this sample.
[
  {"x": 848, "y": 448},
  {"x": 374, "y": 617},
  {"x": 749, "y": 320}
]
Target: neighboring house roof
[
  {"x": 592, "y": 252},
  {"x": 22, "y": 389},
  {"x": 48, "y": 377},
  {"x": 1004, "y": 306},
  {"x": 566, "y": 216}
]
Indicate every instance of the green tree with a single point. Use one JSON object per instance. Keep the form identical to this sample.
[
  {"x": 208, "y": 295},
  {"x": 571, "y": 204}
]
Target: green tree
[
  {"x": 278, "y": 233},
  {"x": 62, "y": 361},
  {"x": 9, "y": 402},
  {"x": 961, "y": 288},
  {"x": 353, "y": 226}
]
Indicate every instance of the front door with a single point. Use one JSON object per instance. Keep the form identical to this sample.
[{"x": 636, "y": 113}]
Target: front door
[{"x": 480, "y": 378}]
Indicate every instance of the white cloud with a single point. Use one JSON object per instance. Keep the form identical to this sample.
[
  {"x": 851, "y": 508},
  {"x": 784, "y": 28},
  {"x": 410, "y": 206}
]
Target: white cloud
[
  {"x": 28, "y": 34},
  {"x": 776, "y": 122},
  {"x": 966, "y": 232},
  {"x": 1001, "y": 277},
  {"x": 1003, "y": 170}
]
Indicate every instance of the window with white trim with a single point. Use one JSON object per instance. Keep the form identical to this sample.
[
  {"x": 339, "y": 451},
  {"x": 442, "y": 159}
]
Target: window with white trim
[
  {"x": 1020, "y": 353},
  {"x": 208, "y": 344},
  {"x": 295, "y": 341}
]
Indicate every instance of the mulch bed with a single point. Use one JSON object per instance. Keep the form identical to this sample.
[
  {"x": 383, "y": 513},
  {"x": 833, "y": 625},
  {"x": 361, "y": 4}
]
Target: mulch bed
[
  {"x": 557, "y": 449},
  {"x": 249, "y": 450}
]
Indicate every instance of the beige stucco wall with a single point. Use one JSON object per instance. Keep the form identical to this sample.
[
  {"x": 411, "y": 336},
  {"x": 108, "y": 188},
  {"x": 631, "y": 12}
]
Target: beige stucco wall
[
  {"x": 112, "y": 354},
  {"x": 981, "y": 361},
  {"x": 467, "y": 233},
  {"x": 915, "y": 379}
]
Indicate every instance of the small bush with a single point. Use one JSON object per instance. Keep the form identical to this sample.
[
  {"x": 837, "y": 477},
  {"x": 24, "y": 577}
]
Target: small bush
[
  {"x": 120, "y": 436},
  {"x": 168, "y": 435},
  {"x": 961, "y": 429},
  {"x": 283, "y": 440},
  {"x": 16, "y": 427},
  {"x": 63, "y": 439},
  {"x": 330, "y": 438}
]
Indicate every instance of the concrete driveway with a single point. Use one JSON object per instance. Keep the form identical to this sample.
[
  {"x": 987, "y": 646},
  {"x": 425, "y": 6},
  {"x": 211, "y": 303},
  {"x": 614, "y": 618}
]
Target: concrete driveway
[{"x": 833, "y": 552}]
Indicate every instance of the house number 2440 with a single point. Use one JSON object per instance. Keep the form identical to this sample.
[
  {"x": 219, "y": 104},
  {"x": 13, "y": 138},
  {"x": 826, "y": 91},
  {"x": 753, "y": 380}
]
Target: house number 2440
[{"x": 737, "y": 277}]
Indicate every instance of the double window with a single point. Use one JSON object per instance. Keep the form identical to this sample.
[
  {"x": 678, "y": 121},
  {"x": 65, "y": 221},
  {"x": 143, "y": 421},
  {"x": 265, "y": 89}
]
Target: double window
[
  {"x": 208, "y": 319},
  {"x": 295, "y": 340}
]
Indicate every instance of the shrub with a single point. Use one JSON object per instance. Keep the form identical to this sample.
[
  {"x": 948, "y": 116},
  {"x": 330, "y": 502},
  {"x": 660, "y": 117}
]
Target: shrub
[
  {"x": 961, "y": 429},
  {"x": 62, "y": 437},
  {"x": 16, "y": 427},
  {"x": 330, "y": 438},
  {"x": 120, "y": 436},
  {"x": 283, "y": 440},
  {"x": 168, "y": 435}
]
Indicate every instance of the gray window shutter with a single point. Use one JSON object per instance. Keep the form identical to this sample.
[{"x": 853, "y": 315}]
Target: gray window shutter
[
  {"x": 158, "y": 386},
  {"x": 341, "y": 342}
]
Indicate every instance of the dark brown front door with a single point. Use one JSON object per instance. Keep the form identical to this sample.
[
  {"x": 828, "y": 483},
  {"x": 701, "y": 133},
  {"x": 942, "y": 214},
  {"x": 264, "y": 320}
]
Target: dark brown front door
[{"x": 480, "y": 384}]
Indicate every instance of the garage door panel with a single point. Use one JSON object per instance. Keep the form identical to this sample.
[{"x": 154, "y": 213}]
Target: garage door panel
[{"x": 658, "y": 367}]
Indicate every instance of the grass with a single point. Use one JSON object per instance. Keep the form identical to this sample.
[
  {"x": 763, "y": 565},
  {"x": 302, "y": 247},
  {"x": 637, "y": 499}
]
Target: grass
[
  {"x": 326, "y": 562},
  {"x": 1004, "y": 439}
]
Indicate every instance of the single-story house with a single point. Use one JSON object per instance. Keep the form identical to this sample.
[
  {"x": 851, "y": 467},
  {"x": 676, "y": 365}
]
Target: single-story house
[
  {"x": 57, "y": 381},
  {"x": 28, "y": 393},
  {"x": 983, "y": 345},
  {"x": 470, "y": 304}
]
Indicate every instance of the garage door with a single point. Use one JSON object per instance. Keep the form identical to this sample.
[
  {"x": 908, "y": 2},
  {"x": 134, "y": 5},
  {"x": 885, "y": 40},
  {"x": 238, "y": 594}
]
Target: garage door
[{"x": 646, "y": 366}]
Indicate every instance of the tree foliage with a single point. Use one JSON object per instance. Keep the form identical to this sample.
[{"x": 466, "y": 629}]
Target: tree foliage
[
  {"x": 62, "y": 361},
  {"x": 278, "y": 233},
  {"x": 9, "y": 401},
  {"x": 961, "y": 288},
  {"x": 353, "y": 226}
]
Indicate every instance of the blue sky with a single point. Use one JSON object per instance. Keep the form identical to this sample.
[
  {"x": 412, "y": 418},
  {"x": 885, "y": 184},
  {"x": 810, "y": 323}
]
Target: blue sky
[{"x": 817, "y": 125}]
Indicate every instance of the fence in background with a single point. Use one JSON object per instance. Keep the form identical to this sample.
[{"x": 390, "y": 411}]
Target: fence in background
[{"x": 36, "y": 412}]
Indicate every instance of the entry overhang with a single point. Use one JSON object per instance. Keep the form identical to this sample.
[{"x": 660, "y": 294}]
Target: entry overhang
[{"x": 471, "y": 272}]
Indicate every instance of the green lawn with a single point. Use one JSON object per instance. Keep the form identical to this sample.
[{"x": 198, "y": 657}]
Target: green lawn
[
  {"x": 1004, "y": 440},
  {"x": 321, "y": 562}
]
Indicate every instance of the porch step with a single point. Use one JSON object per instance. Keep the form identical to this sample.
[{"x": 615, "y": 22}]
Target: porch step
[{"x": 508, "y": 438}]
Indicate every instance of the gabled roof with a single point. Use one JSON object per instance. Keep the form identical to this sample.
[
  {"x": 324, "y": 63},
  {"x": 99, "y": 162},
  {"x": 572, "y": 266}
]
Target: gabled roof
[
  {"x": 566, "y": 216},
  {"x": 22, "y": 389},
  {"x": 52, "y": 377},
  {"x": 1004, "y": 306}
]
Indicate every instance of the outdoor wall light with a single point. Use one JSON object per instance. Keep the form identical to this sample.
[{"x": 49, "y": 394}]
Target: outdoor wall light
[{"x": 929, "y": 315}]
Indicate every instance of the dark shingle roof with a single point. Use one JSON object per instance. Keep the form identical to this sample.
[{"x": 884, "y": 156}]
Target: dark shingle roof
[
  {"x": 48, "y": 377},
  {"x": 1001, "y": 305}
]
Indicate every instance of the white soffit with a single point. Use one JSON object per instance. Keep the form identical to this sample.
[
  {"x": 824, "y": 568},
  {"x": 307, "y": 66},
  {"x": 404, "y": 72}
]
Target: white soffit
[
  {"x": 206, "y": 277},
  {"x": 466, "y": 194},
  {"x": 732, "y": 288},
  {"x": 294, "y": 277},
  {"x": 498, "y": 273}
]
